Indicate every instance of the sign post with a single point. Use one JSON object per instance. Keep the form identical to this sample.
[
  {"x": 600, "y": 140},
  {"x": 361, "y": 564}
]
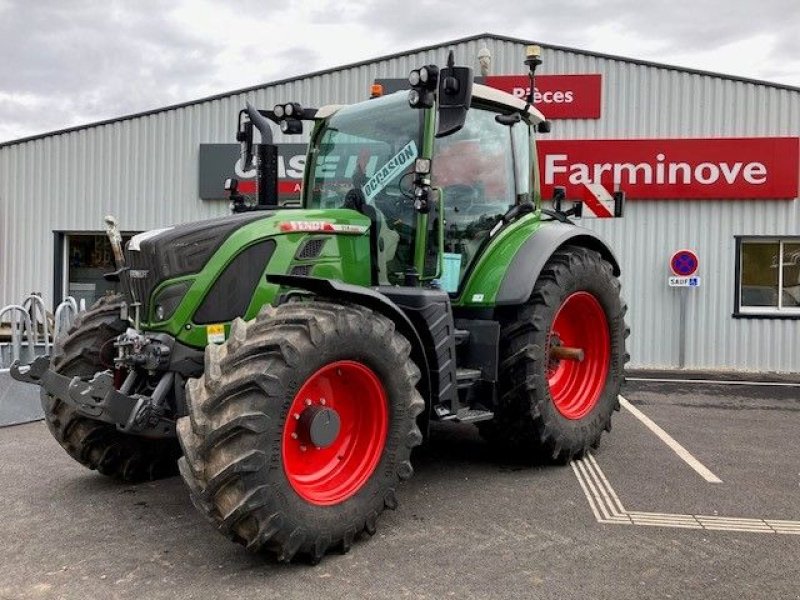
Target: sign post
[{"x": 684, "y": 265}]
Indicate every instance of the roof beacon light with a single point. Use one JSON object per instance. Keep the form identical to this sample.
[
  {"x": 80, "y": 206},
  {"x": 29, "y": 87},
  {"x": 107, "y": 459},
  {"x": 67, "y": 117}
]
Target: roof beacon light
[
  {"x": 533, "y": 58},
  {"x": 533, "y": 55},
  {"x": 376, "y": 91}
]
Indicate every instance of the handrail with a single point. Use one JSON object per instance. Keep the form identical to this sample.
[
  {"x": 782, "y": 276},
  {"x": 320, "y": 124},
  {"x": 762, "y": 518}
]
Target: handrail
[
  {"x": 35, "y": 305},
  {"x": 65, "y": 313},
  {"x": 16, "y": 331}
]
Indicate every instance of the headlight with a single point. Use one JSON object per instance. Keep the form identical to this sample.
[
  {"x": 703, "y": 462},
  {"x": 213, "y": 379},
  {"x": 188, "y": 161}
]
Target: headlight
[
  {"x": 278, "y": 110},
  {"x": 413, "y": 97},
  {"x": 414, "y": 78},
  {"x": 168, "y": 299}
]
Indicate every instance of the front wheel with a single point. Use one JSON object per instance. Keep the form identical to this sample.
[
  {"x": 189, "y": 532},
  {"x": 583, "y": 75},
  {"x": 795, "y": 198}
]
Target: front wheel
[
  {"x": 301, "y": 427},
  {"x": 562, "y": 362}
]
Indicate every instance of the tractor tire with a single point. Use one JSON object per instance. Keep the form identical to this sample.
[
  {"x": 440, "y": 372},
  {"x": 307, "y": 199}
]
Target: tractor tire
[
  {"x": 83, "y": 351},
  {"x": 253, "y": 460},
  {"x": 556, "y": 409}
]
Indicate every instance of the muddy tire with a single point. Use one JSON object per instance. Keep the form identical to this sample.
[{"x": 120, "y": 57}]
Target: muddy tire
[
  {"x": 85, "y": 349},
  {"x": 556, "y": 409},
  {"x": 251, "y": 459}
]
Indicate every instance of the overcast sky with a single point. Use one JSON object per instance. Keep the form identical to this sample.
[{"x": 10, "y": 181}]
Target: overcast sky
[{"x": 69, "y": 62}]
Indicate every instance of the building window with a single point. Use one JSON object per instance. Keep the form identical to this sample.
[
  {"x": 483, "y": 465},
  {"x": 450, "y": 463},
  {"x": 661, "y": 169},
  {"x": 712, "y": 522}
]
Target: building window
[
  {"x": 88, "y": 257},
  {"x": 768, "y": 281}
]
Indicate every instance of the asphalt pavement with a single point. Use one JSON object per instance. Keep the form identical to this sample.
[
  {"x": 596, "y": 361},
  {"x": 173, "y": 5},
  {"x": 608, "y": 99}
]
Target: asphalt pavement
[{"x": 469, "y": 525}]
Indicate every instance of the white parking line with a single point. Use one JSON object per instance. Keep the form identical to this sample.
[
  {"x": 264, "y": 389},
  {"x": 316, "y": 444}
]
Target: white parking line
[
  {"x": 682, "y": 452},
  {"x": 716, "y": 381},
  {"x": 607, "y": 509}
]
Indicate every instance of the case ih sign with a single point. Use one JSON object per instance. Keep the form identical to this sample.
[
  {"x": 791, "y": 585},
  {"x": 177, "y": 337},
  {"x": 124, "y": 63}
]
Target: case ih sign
[
  {"x": 557, "y": 96},
  {"x": 723, "y": 168}
]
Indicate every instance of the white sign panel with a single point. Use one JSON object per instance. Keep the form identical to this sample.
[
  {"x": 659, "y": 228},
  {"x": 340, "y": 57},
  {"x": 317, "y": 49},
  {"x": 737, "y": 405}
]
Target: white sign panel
[{"x": 684, "y": 282}]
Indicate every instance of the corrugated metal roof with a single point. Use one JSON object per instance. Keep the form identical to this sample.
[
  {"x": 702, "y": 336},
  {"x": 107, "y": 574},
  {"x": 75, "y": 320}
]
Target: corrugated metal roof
[{"x": 472, "y": 38}]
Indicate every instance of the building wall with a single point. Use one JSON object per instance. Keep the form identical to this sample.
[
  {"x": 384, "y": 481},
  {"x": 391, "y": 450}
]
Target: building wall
[{"x": 144, "y": 171}]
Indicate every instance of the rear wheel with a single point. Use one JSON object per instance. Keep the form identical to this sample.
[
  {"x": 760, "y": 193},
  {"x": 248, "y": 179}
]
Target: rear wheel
[
  {"x": 563, "y": 354},
  {"x": 86, "y": 349},
  {"x": 301, "y": 427}
]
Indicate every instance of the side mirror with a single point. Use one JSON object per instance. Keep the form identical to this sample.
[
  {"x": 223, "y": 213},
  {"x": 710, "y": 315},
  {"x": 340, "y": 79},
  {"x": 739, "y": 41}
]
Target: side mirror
[
  {"x": 619, "y": 204},
  {"x": 244, "y": 135},
  {"x": 455, "y": 96},
  {"x": 559, "y": 195}
]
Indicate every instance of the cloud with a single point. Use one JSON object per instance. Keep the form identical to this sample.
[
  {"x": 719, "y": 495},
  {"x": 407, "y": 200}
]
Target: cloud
[
  {"x": 67, "y": 62},
  {"x": 71, "y": 62}
]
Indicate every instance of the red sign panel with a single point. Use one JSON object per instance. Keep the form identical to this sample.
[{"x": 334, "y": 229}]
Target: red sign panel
[
  {"x": 557, "y": 96},
  {"x": 725, "y": 168}
]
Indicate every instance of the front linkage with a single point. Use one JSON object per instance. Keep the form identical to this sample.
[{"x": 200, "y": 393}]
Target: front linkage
[{"x": 100, "y": 399}]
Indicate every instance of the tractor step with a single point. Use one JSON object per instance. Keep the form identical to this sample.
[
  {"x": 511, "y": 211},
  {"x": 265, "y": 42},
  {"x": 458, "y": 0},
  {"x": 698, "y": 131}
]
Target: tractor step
[
  {"x": 471, "y": 415},
  {"x": 462, "y": 336},
  {"x": 467, "y": 377},
  {"x": 465, "y": 415}
]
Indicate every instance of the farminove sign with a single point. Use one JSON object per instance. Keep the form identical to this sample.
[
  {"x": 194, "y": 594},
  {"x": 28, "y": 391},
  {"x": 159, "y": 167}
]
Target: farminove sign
[{"x": 719, "y": 168}]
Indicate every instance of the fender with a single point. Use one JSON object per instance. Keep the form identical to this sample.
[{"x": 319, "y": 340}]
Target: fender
[
  {"x": 524, "y": 269},
  {"x": 374, "y": 300}
]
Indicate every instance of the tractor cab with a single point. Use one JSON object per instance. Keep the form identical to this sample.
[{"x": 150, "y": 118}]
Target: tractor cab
[
  {"x": 379, "y": 157},
  {"x": 437, "y": 180}
]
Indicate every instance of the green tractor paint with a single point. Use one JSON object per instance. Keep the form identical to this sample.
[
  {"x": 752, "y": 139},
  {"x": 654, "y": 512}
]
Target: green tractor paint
[{"x": 288, "y": 360}]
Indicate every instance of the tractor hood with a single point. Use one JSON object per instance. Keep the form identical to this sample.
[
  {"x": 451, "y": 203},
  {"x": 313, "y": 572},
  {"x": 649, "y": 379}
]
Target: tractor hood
[{"x": 209, "y": 272}]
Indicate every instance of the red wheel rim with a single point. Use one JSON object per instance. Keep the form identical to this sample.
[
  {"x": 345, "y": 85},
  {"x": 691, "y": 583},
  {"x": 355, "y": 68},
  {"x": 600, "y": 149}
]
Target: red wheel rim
[
  {"x": 576, "y": 386},
  {"x": 334, "y": 473}
]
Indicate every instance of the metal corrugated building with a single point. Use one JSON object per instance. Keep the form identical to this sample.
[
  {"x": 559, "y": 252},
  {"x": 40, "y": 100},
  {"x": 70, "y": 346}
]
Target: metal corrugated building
[{"x": 144, "y": 169}]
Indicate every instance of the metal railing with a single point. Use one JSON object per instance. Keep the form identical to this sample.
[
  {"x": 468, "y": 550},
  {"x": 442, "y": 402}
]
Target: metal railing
[
  {"x": 20, "y": 323},
  {"x": 31, "y": 334}
]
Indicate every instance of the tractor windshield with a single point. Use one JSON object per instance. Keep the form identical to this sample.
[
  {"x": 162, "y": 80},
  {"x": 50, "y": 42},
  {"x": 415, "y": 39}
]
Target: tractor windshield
[
  {"x": 366, "y": 147},
  {"x": 362, "y": 158}
]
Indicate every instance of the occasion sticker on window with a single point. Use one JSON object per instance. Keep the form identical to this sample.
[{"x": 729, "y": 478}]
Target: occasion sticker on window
[{"x": 396, "y": 165}]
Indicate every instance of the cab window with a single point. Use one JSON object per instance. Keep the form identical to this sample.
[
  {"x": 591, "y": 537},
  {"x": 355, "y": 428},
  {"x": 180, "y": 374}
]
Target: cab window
[{"x": 475, "y": 169}]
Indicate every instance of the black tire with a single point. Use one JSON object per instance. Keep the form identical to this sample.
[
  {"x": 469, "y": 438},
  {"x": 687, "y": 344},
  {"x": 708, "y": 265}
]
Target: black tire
[
  {"x": 233, "y": 461},
  {"x": 86, "y": 349},
  {"x": 527, "y": 423}
]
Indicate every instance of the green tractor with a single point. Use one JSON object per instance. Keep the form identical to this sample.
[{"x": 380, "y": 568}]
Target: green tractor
[{"x": 288, "y": 360}]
